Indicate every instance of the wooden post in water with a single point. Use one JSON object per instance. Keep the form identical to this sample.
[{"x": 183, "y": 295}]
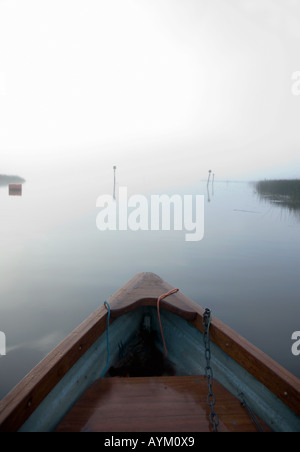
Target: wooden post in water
[{"x": 209, "y": 174}]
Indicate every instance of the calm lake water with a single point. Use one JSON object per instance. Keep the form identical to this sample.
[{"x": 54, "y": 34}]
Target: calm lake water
[{"x": 56, "y": 267}]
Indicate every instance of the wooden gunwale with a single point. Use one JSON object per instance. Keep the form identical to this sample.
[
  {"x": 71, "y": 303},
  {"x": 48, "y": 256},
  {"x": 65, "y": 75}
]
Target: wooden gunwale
[{"x": 142, "y": 290}]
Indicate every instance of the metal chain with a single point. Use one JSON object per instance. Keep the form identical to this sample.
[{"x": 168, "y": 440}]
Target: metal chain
[{"x": 211, "y": 399}]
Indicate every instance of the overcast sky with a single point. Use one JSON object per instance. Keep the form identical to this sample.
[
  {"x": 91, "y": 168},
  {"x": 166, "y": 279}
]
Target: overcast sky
[{"x": 150, "y": 85}]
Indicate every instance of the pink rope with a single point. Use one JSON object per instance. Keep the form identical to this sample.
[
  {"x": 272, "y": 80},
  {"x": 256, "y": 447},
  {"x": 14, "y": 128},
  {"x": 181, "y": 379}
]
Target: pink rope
[{"x": 159, "y": 319}]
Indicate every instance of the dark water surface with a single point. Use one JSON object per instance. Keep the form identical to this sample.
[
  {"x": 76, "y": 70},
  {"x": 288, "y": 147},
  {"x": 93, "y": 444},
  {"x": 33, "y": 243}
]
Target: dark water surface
[{"x": 56, "y": 267}]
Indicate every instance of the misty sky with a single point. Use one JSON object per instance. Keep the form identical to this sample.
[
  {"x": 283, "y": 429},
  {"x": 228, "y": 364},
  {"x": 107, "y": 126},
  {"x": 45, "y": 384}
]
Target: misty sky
[{"x": 171, "y": 87}]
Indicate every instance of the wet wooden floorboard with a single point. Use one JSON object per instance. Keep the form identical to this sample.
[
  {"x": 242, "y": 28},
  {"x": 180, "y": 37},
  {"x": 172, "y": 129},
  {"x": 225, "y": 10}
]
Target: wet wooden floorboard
[{"x": 154, "y": 404}]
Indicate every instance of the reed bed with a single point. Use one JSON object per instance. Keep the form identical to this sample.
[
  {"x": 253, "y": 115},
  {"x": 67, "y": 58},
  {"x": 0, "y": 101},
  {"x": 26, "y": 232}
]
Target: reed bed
[{"x": 285, "y": 192}]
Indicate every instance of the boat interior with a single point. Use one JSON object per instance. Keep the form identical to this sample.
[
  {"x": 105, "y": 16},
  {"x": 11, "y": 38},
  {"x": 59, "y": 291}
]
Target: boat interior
[
  {"x": 143, "y": 391},
  {"x": 137, "y": 366}
]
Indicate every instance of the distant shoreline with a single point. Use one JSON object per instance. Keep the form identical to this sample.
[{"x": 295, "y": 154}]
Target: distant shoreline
[{"x": 5, "y": 180}]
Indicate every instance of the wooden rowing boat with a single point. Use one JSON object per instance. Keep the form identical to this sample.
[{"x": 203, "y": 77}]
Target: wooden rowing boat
[{"x": 65, "y": 392}]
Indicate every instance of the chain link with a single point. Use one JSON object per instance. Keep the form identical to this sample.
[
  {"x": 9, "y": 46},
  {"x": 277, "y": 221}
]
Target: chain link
[{"x": 211, "y": 399}]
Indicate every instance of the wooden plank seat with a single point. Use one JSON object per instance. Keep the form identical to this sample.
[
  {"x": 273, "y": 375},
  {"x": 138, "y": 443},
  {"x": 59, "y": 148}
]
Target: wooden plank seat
[{"x": 154, "y": 404}]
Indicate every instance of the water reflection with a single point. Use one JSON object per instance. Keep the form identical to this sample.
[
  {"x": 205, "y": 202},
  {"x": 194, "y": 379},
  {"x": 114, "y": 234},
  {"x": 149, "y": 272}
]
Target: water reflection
[
  {"x": 281, "y": 193},
  {"x": 210, "y": 191}
]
